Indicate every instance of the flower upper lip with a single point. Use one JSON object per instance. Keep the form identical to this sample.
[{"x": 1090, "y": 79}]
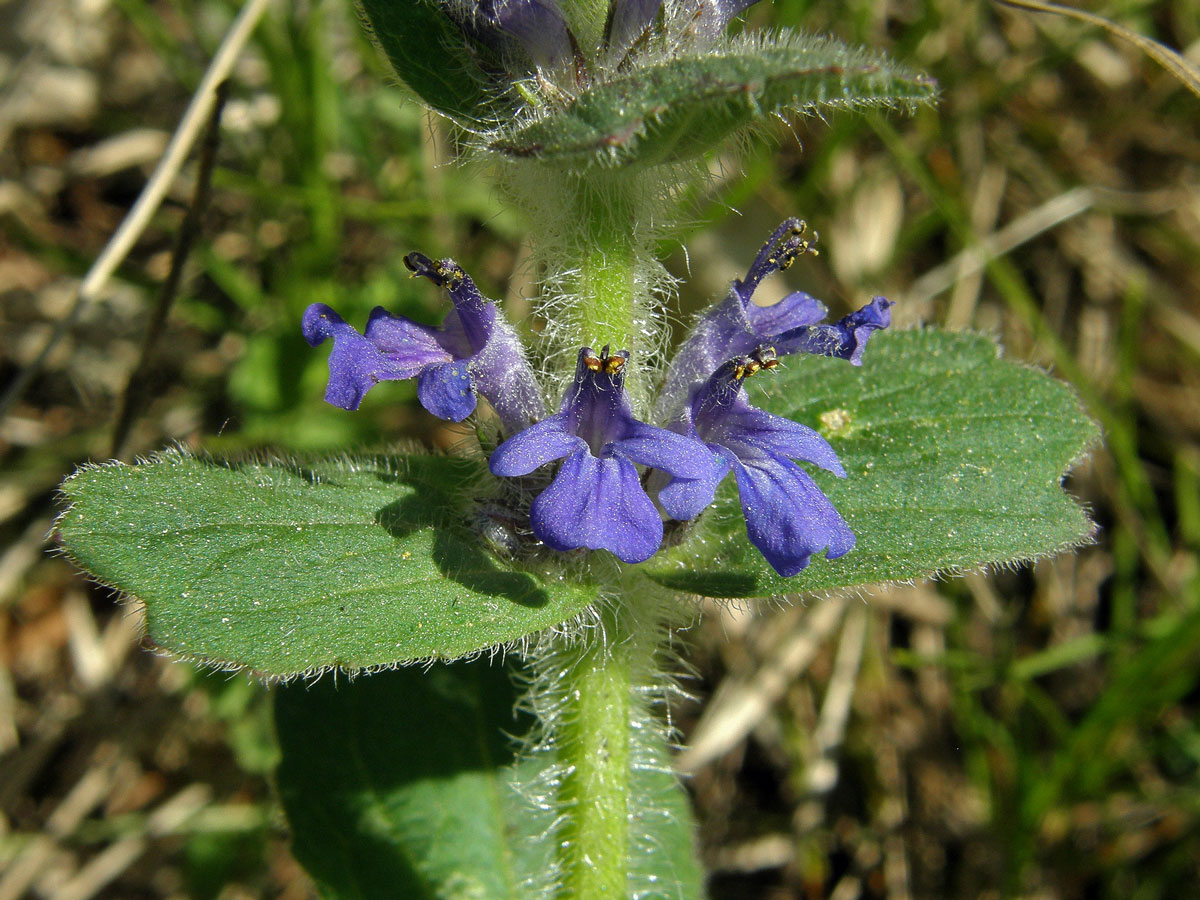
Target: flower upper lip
[{"x": 474, "y": 351}]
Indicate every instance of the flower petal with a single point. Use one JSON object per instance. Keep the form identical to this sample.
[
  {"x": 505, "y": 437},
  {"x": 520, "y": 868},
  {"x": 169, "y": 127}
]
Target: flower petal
[
  {"x": 686, "y": 498},
  {"x": 502, "y": 374},
  {"x": 405, "y": 341},
  {"x": 532, "y": 448},
  {"x": 357, "y": 363},
  {"x": 844, "y": 339},
  {"x": 683, "y": 457},
  {"x": 446, "y": 390},
  {"x": 598, "y": 504},
  {"x": 793, "y": 311},
  {"x": 475, "y": 331},
  {"x": 788, "y": 518},
  {"x": 750, "y": 433}
]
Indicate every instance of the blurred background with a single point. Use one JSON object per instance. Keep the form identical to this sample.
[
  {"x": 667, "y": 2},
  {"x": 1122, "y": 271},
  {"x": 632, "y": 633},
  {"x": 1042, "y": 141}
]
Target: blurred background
[{"x": 1022, "y": 733}]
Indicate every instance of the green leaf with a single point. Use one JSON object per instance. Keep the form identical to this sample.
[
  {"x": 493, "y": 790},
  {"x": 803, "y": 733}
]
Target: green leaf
[
  {"x": 431, "y": 55},
  {"x": 682, "y": 107},
  {"x": 287, "y": 568},
  {"x": 400, "y": 784},
  {"x": 954, "y": 459},
  {"x": 404, "y": 784}
]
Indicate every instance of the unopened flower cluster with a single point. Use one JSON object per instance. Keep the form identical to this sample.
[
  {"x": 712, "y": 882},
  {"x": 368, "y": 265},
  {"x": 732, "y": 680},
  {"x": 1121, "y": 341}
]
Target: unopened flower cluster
[{"x": 619, "y": 476}]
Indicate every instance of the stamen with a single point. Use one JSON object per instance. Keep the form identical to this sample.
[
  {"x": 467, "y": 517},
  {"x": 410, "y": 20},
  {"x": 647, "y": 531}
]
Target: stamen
[
  {"x": 761, "y": 359},
  {"x": 764, "y": 358},
  {"x": 605, "y": 363},
  {"x": 444, "y": 273},
  {"x": 781, "y": 249}
]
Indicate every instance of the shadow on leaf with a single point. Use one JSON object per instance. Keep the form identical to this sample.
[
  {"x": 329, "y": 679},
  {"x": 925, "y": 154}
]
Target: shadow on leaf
[
  {"x": 435, "y": 503},
  {"x": 386, "y": 786}
]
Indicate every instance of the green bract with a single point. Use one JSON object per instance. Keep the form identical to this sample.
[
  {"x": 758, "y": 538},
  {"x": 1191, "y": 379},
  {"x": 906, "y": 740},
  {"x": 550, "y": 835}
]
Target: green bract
[
  {"x": 682, "y": 107},
  {"x": 431, "y": 55}
]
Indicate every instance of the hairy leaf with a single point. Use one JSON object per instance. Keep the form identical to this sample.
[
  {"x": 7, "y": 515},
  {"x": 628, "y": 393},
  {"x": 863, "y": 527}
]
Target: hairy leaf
[
  {"x": 954, "y": 459},
  {"x": 682, "y": 107},
  {"x": 287, "y": 568}
]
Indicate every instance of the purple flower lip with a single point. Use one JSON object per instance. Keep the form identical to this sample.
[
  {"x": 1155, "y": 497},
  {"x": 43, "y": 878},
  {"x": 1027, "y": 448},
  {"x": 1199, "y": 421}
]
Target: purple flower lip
[
  {"x": 788, "y": 518},
  {"x": 597, "y": 500},
  {"x": 474, "y": 352}
]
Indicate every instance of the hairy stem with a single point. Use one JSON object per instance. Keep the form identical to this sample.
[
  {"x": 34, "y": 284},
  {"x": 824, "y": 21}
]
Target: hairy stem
[
  {"x": 593, "y": 235},
  {"x": 606, "y": 249},
  {"x": 606, "y": 288},
  {"x": 596, "y": 696},
  {"x": 595, "y": 751}
]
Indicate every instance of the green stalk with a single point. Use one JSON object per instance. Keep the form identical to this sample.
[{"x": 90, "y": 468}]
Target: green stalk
[
  {"x": 593, "y": 235},
  {"x": 594, "y": 743},
  {"x": 607, "y": 252},
  {"x": 606, "y": 280},
  {"x": 600, "y": 696},
  {"x": 593, "y": 241}
]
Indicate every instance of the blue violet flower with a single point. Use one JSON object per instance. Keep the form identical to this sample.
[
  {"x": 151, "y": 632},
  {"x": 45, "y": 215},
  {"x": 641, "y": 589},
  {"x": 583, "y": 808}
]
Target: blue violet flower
[
  {"x": 475, "y": 351},
  {"x": 737, "y": 326},
  {"x": 597, "y": 500},
  {"x": 788, "y": 518}
]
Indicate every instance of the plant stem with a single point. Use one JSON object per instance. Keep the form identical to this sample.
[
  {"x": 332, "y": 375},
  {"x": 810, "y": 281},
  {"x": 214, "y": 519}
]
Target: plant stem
[
  {"x": 606, "y": 287},
  {"x": 607, "y": 260},
  {"x": 602, "y": 684},
  {"x": 595, "y": 738}
]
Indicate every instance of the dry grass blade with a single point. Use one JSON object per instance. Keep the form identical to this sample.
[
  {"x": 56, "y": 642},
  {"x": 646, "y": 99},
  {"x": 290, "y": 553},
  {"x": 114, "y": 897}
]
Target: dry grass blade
[
  {"x": 739, "y": 706},
  {"x": 135, "y": 222},
  {"x": 1023, "y": 229},
  {"x": 135, "y": 390},
  {"x": 835, "y": 711},
  {"x": 1170, "y": 60}
]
